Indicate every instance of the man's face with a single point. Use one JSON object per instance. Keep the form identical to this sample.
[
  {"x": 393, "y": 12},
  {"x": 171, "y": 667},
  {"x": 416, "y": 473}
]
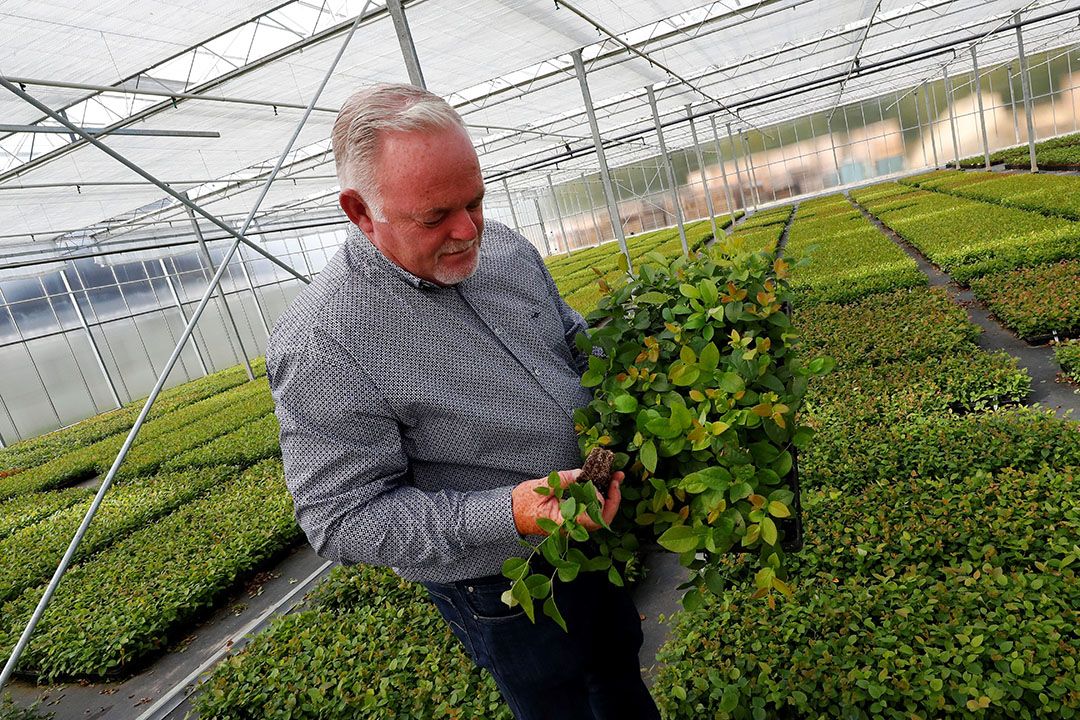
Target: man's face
[{"x": 432, "y": 201}]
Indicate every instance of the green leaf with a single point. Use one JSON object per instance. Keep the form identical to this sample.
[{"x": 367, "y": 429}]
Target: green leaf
[
  {"x": 547, "y": 525},
  {"x": 647, "y": 455},
  {"x": 614, "y": 577},
  {"x": 515, "y": 568},
  {"x": 768, "y": 531},
  {"x": 709, "y": 357},
  {"x": 592, "y": 378},
  {"x": 552, "y": 611},
  {"x": 626, "y": 403},
  {"x": 778, "y": 509},
  {"x": 692, "y": 600},
  {"x": 708, "y": 292},
  {"x": 539, "y": 586},
  {"x": 741, "y": 490},
  {"x": 683, "y": 375},
  {"x": 687, "y": 355},
  {"x": 680, "y": 539},
  {"x": 731, "y": 382},
  {"x": 652, "y": 297},
  {"x": 689, "y": 291},
  {"x": 569, "y": 570},
  {"x": 715, "y": 582},
  {"x": 521, "y": 594}
]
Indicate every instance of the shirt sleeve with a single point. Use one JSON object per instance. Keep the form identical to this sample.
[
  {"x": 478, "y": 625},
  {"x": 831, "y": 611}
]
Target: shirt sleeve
[{"x": 349, "y": 477}]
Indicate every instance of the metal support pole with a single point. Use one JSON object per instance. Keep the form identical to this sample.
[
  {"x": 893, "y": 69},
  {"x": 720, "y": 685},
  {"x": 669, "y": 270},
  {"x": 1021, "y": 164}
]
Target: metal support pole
[
  {"x": 1025, "y": 83},
  {"x": 404, "y": 36},
  {"x": 221, "y": 295},
  {"x": 738, "y": 172},
  {"x": 609, "y": 194},
  {"x": 180, "y": 307},
  {"x": 930, "y": 122},
  {"x": 918, "y": 125},
  {"x": 150, "y": 178},
  {"x": 701, "y": 167},
  {"x": 679, "y": 220},
  {"x": 510, "y": 202},
  {"x": 832, "y": 143},
  {"x": 592, "y": 211},
  {"x": 1012, "y": 104},
  {"x": 543, "y": 229},
  {"x": 90, "y": 339},
  {"x": 723, "y": 170},
  {"x": 982, "y": 115},
  {"x": 952, "y": 118},
  {"x": 242, "y": 262},
  {"x": 558, "y": 214},
  {"x": 751, "y": 171},
  {"x": 24, "y": 639}
]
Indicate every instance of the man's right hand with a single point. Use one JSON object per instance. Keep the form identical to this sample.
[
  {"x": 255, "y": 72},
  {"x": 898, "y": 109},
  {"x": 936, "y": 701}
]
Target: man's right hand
[{"x": 530, "y": 505}]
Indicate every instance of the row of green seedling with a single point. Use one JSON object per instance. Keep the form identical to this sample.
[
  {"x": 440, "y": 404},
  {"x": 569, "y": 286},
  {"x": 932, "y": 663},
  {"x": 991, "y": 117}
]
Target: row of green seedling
[
  {"x": 38, "y": 450},
  {"x": 924, "y": 597},
  {"x": 848, "y": 257},
  {"x": 157, "y": 440},
  {"x": 32, "y": 553},
  {"x": 1040, "y": 303},
  {"x": 373, "y": 646},
  {"x": 969, "y": 238},
  {"x": 1054, "y": 195},
  {"x": 125, "y": 604}
]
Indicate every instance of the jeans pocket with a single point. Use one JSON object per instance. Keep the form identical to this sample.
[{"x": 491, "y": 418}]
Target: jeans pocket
[
  {"x": 444, "y": 603},
  {"x": 484, "y": 602}
]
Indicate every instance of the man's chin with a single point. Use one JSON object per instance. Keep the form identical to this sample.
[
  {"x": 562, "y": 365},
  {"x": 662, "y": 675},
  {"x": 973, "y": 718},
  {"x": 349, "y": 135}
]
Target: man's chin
[{"x": 460, "y": 270}]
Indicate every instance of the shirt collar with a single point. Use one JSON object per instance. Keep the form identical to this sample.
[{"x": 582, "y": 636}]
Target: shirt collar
[{"x": 368, "y": 250}]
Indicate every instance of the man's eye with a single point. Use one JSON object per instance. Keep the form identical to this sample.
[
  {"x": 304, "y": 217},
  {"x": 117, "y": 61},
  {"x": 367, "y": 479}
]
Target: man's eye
[{"x": 432, "y": 222}]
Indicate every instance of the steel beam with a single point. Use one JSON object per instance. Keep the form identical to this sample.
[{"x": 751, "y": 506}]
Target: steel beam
[
  {"x": 48, "y": 129},
  {"x": 701, "y": 167},
  {"x": 558, "y": 214},
  {"x": 543, "y": 228},
  {"x": 205, "y": 252},
  {"x": 510, "y": 203},
  {"x": 738, "y": 172},
  {"x": 142, "y": 173},
  {"x": 930, "y": 124},
  {"x": 1025, "y": 83},
  {"x": 405, "y": 40},
  {"x": 723, "y": 171},
  {"x": 679, "y": 220},
  {"x": 832, "y": 143},
  {"x": 605, "y": 176},
  {"x": 952, "y": 117},
  {"x": 183, "y": 314},
  {"x": 982, "y": 115},
  {"x": 90, "y": 339},
  {"x": 751, "y": 171},
  {"x": 24, "y": 639}
]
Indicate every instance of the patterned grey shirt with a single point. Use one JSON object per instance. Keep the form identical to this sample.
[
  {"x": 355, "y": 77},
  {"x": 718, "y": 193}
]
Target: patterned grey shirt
[{"x": 409, "y": 411}]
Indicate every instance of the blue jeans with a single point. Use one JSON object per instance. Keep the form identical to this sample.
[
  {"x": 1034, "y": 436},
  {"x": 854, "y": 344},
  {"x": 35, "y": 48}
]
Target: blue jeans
[{"x": 590, "y": 673}]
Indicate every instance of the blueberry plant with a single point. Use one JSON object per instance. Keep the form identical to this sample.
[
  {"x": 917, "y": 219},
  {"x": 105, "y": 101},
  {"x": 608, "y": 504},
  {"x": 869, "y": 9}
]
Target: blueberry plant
[{"x": 697, "y": 380}]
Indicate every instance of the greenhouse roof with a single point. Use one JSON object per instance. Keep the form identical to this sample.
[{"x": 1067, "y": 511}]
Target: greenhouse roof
[{"x": 213, "y": 93}]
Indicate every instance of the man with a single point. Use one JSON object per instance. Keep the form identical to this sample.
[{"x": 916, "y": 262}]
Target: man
[{"x": 425, "y": 383}]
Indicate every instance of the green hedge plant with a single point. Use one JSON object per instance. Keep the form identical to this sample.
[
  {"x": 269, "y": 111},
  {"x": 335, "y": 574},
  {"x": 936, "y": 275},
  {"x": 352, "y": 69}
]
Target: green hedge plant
[{"x": 696, "y": 386}]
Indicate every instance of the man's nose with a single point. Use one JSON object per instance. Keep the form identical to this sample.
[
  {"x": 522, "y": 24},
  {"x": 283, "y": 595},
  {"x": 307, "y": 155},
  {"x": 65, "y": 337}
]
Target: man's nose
[{"x": 463, "y": 227}]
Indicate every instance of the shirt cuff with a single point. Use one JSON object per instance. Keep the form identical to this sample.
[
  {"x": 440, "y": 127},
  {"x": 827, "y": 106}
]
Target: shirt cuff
[{"x": 488, "y": 517}]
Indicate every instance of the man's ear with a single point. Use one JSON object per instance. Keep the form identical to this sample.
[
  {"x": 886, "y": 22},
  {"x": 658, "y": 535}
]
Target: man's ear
[{"x": 357, "y": 210}]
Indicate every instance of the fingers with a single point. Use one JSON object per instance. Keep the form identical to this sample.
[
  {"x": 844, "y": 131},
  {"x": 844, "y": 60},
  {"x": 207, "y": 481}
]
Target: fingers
[{"x": 614, "y": 497}]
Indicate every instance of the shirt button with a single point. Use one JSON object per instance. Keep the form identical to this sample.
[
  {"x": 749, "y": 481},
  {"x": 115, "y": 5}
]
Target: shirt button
[
  {"x": 498, "y": 331},
  {"x": 536, "y": 371},
  {"x": 471, "y": 588}
]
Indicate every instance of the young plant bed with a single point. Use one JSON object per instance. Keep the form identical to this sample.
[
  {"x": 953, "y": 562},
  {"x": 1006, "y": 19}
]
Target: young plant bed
[
  {"x": 851, "y": 457},
  {"x": 697, "y": 382},
  {"x": 1039, "y": 303},
  {"x": 962, "y": 382},
  {"x": 23, "y": 510},
  {"x": 903, "y": 325},
  {"x": 124, "y": 604},
  {"x": 848, "y": 258},
  {"x": 1067, "y": 355},
  {"x": 91, "y": 460},
  {"x": 247, "y": 445},
  {"x": 41, "y": 449},
  {"x": 373, "y": 646},
  {"x": 919, "y": 598},
  {"x": 1054, "y": 195},
  {"x": 969, "y": 239},
  {"x": 125, "y": 508}
]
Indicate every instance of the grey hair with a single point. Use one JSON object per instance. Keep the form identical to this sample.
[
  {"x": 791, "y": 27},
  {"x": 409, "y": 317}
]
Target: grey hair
[{"x": 377, "y": 109}]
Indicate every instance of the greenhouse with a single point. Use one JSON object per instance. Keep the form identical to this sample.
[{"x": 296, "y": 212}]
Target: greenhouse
[{"x": 827, "y": 255}]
